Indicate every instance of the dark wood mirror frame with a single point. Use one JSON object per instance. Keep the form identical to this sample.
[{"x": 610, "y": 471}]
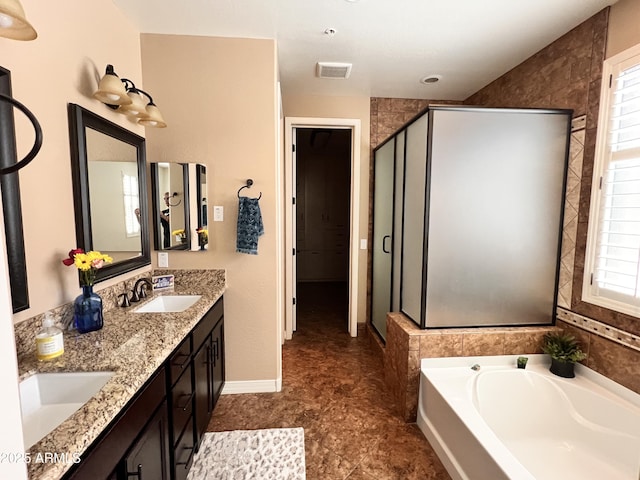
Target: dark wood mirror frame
[
  {"x": 155, "y": 194},
  {"x": 201, "y": 178},
  {"x": 79, "y": 120},
  {"x": 12, "y": 207}
]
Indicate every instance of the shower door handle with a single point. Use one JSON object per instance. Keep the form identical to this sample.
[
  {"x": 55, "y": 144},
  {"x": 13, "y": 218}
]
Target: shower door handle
[{"x": 384, "y": 245}]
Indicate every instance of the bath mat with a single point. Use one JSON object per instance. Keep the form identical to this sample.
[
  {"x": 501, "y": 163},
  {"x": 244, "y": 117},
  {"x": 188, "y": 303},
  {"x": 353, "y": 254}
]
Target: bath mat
[{"x": 274, "y": 454}]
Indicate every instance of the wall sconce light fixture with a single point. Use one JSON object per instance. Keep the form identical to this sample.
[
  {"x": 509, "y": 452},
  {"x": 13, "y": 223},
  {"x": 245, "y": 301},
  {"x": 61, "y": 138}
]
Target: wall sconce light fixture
[
  {"x": 13, "y": 22},
  {"x": 121, "y": 94}
]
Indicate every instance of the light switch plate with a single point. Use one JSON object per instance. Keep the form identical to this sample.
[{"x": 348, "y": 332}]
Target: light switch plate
[
  {"x": 163, "y": 259},
  {"x": 363, "y": 244},
  {"x": 218, "y": 213}
]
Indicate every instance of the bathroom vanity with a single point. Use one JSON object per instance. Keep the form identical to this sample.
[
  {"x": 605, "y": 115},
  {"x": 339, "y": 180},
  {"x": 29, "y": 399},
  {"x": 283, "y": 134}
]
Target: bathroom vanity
[{"x": 149, "y": 418}]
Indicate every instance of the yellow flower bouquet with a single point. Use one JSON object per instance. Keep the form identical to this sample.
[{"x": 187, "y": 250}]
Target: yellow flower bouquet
[{"x": 87, "y": 263}]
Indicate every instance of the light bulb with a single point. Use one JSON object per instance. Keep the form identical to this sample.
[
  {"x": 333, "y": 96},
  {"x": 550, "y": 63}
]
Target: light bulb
[
  {"x": 5, "y": 21},
  {"x": 112, "y": 96}
]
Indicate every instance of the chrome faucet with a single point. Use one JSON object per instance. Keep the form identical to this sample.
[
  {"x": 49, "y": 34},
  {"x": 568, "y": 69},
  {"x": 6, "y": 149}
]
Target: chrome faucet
[{"x": 139, "y": 292}]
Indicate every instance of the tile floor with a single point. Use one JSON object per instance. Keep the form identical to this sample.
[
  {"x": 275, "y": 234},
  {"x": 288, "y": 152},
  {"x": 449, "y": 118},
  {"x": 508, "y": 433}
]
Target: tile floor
[{"x": 333, "y": 387}]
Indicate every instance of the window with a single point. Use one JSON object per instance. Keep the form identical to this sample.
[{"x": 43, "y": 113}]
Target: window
[
  {"x": 131, "y": 202},
  {"x": 612, "y": 268}
]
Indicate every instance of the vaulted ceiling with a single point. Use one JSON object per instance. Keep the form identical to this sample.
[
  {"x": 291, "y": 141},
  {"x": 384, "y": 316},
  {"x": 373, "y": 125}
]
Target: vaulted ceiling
[{"x": 392, "y": 45}]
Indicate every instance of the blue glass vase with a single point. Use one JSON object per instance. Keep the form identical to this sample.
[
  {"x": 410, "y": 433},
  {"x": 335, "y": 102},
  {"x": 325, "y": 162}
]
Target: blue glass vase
[{"x": 87, "y": 311}]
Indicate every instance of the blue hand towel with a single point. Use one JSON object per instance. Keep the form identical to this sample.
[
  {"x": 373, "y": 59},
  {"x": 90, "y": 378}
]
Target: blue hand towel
[{"x": 249, "y": 225}]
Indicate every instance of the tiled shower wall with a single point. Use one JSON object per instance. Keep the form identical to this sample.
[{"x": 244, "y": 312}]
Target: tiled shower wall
[
  {"x": 389, "y": 114},
  {"x": 565, "y": 74},
  {"x": 571, "y": 207}
]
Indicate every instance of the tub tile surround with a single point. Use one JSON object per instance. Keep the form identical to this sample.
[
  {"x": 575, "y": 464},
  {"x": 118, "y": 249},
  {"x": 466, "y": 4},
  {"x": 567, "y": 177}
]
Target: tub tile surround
[
  {"x": 407, "y": 345},
  {"x": 130, "y": 344},
  {"x": 611, "y": 352}
]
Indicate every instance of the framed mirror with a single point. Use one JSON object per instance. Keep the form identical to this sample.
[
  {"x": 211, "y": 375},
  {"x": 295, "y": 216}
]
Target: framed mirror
[
  {"x": 170, "y": 194},
  {"x": 201, "y": 194},
  {"x": 12, "y": 208},
  {"x": 108, "y": 165}
]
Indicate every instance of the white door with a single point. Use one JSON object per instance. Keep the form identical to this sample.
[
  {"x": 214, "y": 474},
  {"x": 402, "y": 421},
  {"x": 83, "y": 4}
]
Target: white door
[{"x": 290, "y": 227}]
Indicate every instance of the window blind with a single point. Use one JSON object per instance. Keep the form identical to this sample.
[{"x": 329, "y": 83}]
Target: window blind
[
  {"x": 131, "y": 202},
  {"x": 617, "y": 262}
]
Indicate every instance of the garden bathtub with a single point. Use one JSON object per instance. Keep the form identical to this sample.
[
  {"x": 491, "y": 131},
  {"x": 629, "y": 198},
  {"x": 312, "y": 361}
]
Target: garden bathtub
[{"x": 499, "y": 422}]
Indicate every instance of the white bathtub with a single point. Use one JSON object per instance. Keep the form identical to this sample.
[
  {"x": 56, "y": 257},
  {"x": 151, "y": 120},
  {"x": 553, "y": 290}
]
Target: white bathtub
[{"x": 500, "y": 422}]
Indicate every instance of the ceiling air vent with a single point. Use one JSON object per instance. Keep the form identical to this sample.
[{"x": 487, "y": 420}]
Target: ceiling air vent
[{"x": 333, "y": 70}]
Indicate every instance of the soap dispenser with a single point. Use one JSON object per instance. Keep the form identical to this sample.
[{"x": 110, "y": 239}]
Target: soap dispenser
[{"x": 49, "y": 340}]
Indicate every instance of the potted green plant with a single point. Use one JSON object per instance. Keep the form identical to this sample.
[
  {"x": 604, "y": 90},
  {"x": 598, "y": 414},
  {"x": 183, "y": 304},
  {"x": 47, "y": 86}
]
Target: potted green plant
[{"x": 564, "y": 351}]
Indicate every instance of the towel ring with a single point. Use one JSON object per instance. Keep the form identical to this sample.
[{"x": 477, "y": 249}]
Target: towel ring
[
  {"x": 38, "y": 136},
  {"x": 248, "y": 185},
  {"x": 175, "y": 194}
]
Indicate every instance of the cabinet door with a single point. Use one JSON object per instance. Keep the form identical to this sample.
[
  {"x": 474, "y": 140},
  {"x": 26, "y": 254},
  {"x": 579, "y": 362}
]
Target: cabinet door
[
  {"x": 109, "y": 450},
  {"x": 201, "y": 370},
  {"x": 149, "y": 455},
  {"x": 217, "y": 361}
]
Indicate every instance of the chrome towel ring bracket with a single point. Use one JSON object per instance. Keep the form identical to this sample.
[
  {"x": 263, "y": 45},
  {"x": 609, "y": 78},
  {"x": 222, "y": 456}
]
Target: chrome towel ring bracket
[
  {"x": 37, "y": 144},
  {"x": 248, "y": 185}
]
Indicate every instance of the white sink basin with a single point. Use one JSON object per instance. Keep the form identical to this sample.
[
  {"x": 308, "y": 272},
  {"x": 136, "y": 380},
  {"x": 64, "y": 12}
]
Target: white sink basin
[
  {"x": 168, "y": 303},
  {"x": 48, "y": 399}
]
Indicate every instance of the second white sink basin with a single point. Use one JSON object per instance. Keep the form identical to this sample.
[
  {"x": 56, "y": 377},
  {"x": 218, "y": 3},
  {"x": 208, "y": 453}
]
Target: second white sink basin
[
  {"x": 48, "y": 399},
  {"x": 168, "y": 303}
]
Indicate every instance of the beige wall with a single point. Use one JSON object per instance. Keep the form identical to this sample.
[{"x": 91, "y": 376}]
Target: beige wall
[
  {"x": 219, "y": 99},
  {"x": 352, "y": 108},
  {"x": 62, "y": 65},
  {"x": 624, "y": 26}
]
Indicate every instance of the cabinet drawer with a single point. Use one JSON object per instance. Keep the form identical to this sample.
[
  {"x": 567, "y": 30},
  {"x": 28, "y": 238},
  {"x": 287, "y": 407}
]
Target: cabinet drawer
[
  {"x": 181, "y": 403},
  {"x": 202, "y": 330},
  {"x": 183, "y": 453},
  {"x": 179, "y": 360}
]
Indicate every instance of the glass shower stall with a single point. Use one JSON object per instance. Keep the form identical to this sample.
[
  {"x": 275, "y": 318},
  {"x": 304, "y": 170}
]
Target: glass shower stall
[{"x": 467, "y": 209}]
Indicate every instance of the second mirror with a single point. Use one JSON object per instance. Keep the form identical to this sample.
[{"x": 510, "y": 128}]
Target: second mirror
[{"x": 170, "y": 193}]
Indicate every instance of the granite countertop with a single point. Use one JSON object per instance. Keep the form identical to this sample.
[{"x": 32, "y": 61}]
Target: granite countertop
[{"x": 134, "y": 346}]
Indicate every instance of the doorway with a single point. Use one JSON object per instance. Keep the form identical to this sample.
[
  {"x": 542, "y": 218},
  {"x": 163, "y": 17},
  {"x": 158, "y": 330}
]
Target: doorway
[
  {"x": 324, "y": 261},
  {"x": 323, "y": 181}
]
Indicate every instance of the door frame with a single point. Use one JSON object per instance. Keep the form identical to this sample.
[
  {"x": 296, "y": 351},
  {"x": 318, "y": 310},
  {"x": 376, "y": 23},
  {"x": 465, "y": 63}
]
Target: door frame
[{"x": 354, "y": 217}]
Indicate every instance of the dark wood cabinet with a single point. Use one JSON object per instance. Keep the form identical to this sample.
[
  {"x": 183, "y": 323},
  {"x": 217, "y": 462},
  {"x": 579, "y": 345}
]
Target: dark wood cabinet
[
  {"x": 182, "y": 403},
  {"x": 208, "y": 365},
  {"x": 183, "y": 452},
  {"x": 202, "y": 371},
  {"x": 157, "y": 433},
  {"x": 105, "y": 458},
  {"x": 148, "y": 458},
  {"x": 217, "y": 354}
]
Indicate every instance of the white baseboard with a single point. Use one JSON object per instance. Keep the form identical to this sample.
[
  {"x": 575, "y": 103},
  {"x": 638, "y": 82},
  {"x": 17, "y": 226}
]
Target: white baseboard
[{"x": 252, "y": 386}]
